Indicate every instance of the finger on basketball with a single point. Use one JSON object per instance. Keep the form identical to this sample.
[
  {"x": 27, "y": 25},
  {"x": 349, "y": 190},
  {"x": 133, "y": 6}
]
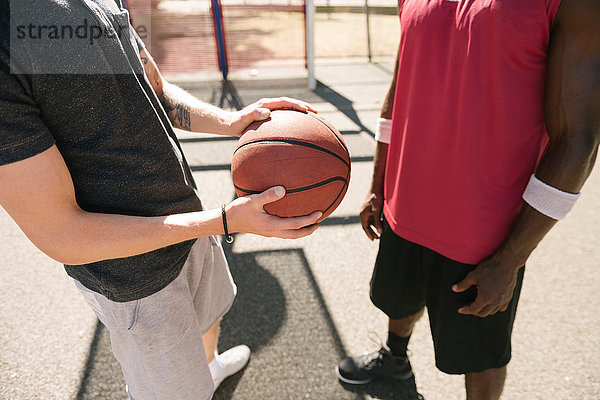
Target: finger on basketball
[
  {"x": 299, "y": 222},
  {"x": 270, "y": 195},
  {"x": 261, "y": 113},
  {"x": 299, "y": 151},
  {"x": 287, "y": 103},
  {"x": 295, "y": 104},
  {"x": 302, "y": 232}
]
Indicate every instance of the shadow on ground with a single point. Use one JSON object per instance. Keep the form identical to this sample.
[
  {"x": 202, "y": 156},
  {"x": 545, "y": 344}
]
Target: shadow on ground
[
  {"x": 280, "y": 313},
  {"x": 102, "y": 377}
]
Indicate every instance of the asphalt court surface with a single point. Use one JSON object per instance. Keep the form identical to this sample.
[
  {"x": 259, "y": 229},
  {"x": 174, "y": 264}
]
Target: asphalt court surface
[{"x": 302, "y": 305}]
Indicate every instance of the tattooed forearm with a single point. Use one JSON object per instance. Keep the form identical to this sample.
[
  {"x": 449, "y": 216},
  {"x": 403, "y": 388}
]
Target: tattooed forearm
[
  {"x": 178, "y": 104},
  {"x": 178, "y": 112},
  {"x": 188, "y": 113},
  {"x": 182, "y": 117}
]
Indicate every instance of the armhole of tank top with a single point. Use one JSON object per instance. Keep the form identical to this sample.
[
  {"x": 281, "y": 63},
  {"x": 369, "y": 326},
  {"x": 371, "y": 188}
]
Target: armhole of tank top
[{"x": 552, "y": 7}]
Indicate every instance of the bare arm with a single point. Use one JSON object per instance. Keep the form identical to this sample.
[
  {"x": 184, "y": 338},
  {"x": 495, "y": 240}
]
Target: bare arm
[
  {"x": 188, "y": 113},
  {"x": 388, "y": 104},
  {"x": 372, "y": 208},
  {"x": 45, "y": 209},
  {"x": 572, "y": 113}
]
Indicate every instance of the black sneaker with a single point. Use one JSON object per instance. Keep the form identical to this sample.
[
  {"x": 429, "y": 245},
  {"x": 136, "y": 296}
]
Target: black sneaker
[{"x": 383, "y": 364}]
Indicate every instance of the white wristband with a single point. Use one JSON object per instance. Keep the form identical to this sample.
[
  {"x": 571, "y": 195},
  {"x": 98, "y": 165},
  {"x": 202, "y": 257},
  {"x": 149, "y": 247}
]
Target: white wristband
[
  {"x": 384, "y": 130},
  {"x": 549, "y": 200}
]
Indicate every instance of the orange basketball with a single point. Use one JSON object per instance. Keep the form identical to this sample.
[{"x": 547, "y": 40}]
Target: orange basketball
[{"x": 299, "y": 151}]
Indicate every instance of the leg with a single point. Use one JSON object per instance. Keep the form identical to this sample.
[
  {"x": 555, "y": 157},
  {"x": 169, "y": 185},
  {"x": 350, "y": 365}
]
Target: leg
[
  {"x": 465, "y": 343},
  {"x": 156, "y": 342},
  {"x": 486, "y": 385},
  {"x": 404, "y": 327},
  {"x": 396, "y": 289},
  {"x": 389, "y": 362},
  {"x": 399, "y": 331},
  {"x": 211, "y": 339},
  {"x": 225, "y": 364},
  {"x": 233, "y": 360}
]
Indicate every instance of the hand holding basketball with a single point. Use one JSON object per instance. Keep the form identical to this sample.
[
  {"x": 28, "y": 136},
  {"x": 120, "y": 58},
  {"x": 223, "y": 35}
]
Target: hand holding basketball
[
  {"x": 299, "y": 151},
  {"x": 238, "y": 121},
  {"x": 246, "y": 214}
]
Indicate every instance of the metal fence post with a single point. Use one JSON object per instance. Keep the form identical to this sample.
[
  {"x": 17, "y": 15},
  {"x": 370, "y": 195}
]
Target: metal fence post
[
  {"x": 310, "y": 43},
  {"x": 367, "y": 14}
]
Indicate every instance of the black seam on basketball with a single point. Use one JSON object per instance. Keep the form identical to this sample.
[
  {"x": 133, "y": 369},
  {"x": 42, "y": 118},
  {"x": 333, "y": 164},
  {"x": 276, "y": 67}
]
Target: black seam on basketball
[
  {"x": 300, "y": 189},
  {"x": 340, "y": 193},
  {"x": 331, "y": 130},
  {"x": 344, "y": 186},
  {"x": 299, "y": 143}
]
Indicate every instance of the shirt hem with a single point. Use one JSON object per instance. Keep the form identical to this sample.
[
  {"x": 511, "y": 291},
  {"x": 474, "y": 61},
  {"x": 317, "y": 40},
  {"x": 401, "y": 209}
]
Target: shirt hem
[
  {"x": 446, "y": 250},
  {"x": 140, "y": 292}
]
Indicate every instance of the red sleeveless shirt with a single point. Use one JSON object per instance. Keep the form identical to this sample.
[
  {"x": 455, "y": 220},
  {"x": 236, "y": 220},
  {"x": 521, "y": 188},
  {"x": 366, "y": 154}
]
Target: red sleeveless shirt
[{"x": 467, "y": 127}]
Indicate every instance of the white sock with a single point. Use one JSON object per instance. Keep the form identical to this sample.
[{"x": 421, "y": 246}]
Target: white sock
[
  {"x": 228, "y": 363},
  {"x": 215, "y": 366}
]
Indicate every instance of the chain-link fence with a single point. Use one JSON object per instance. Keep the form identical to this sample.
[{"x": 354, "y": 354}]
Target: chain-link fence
[
  {"x": 265, "y": 33},
  {"x": 356, "y": 29}
]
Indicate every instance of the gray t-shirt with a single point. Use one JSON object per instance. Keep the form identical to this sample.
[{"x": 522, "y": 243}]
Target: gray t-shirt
[{"x": 92, "y": 99}]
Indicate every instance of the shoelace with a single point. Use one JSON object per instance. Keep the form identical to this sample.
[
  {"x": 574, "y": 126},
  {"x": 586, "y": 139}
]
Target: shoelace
[
  {"x": 368, "y": 358},
  {"x": 376, "y": 339}
]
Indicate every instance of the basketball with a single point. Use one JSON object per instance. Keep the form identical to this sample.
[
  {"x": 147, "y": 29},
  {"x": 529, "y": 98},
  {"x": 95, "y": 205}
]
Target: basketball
[{"x": 299, "y": 151}]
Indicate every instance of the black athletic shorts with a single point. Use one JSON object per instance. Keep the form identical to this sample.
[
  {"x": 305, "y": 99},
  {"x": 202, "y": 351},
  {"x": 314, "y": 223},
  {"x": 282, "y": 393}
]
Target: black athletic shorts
[{"x": 408, "y": 277}]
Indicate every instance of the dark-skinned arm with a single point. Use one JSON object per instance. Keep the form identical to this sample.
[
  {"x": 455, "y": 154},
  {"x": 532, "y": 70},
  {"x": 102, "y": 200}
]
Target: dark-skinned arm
[
  {"x": 572, "y": 114},
  {"x": 372, "y": 208},
  {"x": 188, "y": 113}
]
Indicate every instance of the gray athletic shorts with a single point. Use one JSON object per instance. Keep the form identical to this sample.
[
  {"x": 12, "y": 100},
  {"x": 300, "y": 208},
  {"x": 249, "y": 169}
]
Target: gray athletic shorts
[{"x": 158, "y": 339}]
